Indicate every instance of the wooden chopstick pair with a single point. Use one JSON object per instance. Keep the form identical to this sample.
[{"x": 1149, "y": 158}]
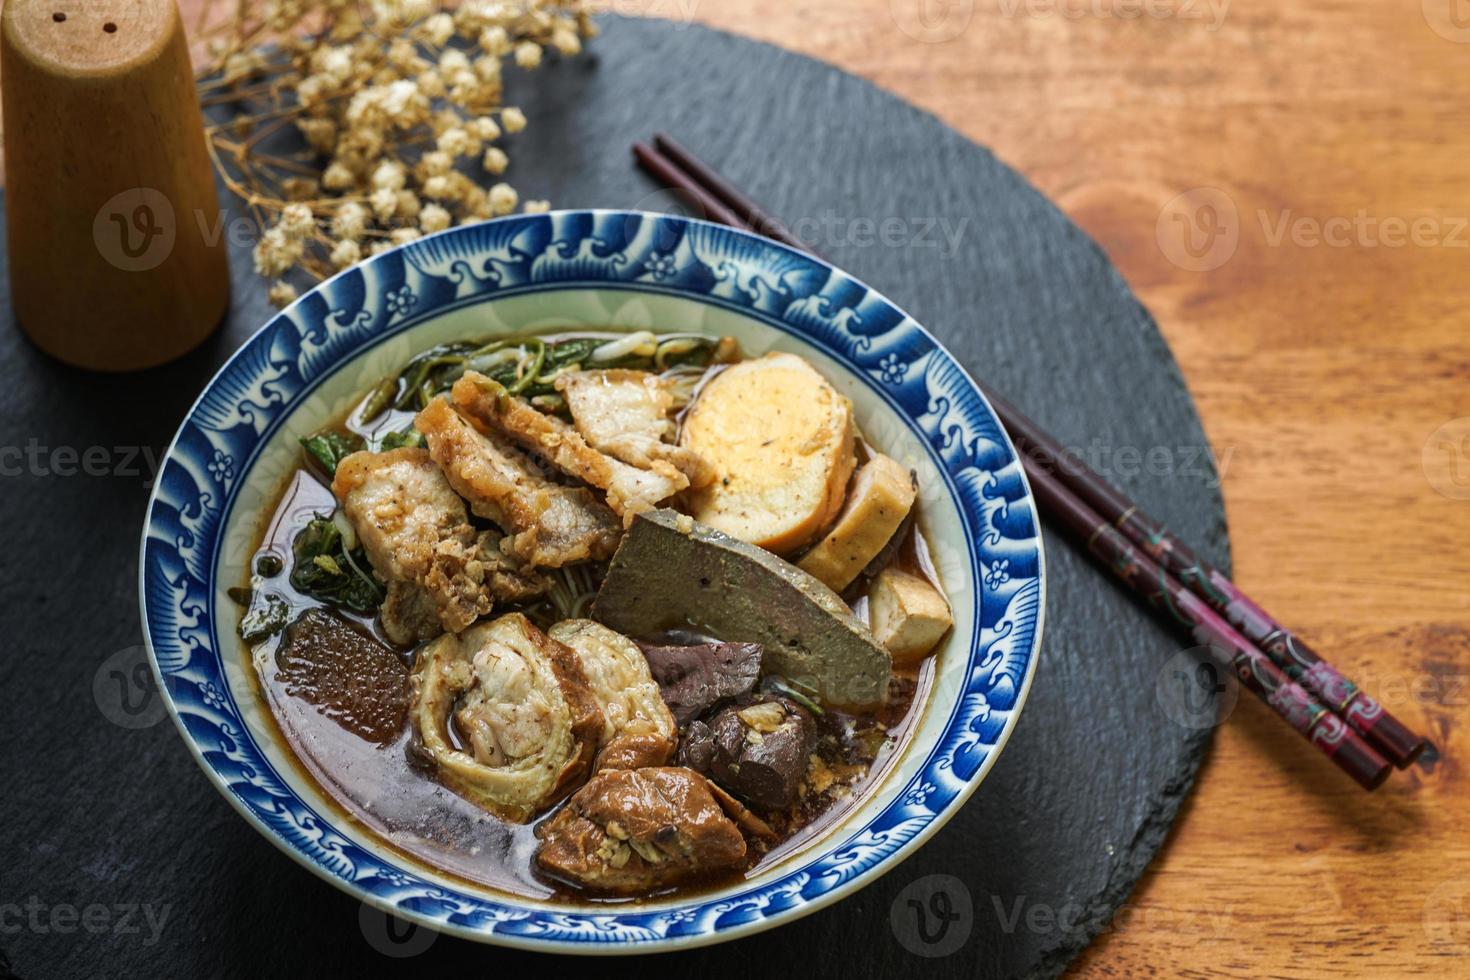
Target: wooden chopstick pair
[{"x": 1342, "y": 721}]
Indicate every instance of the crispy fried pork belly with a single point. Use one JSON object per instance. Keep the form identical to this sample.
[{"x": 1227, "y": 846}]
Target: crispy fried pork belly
[
  {"x": 626, "y": 414},
  {"x": 629, "y": 490},
  {"x": 549, "y": 525},
  {"x": 522, "y": 708},
  {"x": 630, "y": 830},
  {"x": 638, "y": 729},
  {"x": 442, "y": 573}
]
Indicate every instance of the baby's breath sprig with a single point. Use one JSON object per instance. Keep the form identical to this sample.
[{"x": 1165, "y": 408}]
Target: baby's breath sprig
[{"x": 399, "y": 110}]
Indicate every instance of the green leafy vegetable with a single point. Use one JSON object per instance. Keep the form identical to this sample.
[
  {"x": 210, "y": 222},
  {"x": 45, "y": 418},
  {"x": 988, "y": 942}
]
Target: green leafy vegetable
[
  {"x": 380, "y": 399},
  {"x": 329, "y": 448},
  {"x": 789, "y": 689},
  {"x": 528, "y": 365},
  {"x": 265, "y": 612},
  {"x": 397, "y": 440},
  {"x": 266, "y": 616},
  {"x": 325, "y": 569}
]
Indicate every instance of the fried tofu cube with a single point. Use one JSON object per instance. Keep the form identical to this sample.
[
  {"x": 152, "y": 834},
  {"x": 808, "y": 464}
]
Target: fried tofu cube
[{"x": 908, "y": 615}]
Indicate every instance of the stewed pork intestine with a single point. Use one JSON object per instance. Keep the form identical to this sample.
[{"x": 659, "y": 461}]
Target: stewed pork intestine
[
  {"x": 528, "y": 725},
  {"x": 638, "y": 729}
]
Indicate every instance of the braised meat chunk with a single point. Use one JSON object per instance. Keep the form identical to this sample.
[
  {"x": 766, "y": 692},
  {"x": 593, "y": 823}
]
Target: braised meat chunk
[
  {"x": 759, "y": 751},
  {"x": 698, "y": 677},
  {"x": 637, "y": 729},
  {"x": 549, "y": 525},
  {"x": 442, "y": 573},
  {"x": 633, "y": 830},
  {"x": 626, "y": 414},
  {"x": 521, "y": 706}
]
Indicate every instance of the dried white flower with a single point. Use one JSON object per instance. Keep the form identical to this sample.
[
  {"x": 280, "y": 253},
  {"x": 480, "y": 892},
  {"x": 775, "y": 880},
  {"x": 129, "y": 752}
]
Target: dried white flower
[
  {"x": 565, "y": 40},
  {"x": 439, "y": 29},
  {"x": 434, "y": 218},
  {"x": 320, "y": 134},
  {"x": 281, "y": 293},
  {"x": 403, "y": 55},
  {"x": 297, "y": 221},
  {"x": 503, "y": 199},
  {"x": 487, "y": 71},
  {"x": 385, "y": 203},
  {"x": 408, "y": 205},
  {"x": 276, "y": 252},
  {"x": 389, "y": 174},
  {"x": 437, "y": 164},
  {"x": 350, "y": 221},
  {"x": 456, "y": 142},
  {"x": 495, "y": 160},
  {"x": 484, "y": 127},
  {"x": 528, "y": 55},
  {"x": 314, "y": 89},
  {"x": 536, "y": 207},
  {"x": 346, "y": 253},
  {"x": 495, "y": 41},
  {"x": 512, "y": 119},
  {"x": 336, "y": 61},
  {"x": 431, "y": 83},
  {"x": 337, "y": 177}
]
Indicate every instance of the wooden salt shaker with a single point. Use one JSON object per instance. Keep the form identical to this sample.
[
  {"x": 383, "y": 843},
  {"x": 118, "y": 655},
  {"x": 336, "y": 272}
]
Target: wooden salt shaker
[{"x": 117, "y": 247}]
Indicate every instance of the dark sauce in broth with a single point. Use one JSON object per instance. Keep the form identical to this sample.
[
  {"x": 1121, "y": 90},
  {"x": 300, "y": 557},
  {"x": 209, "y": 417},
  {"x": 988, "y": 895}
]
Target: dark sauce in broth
[{"x": 350, "y": 735}]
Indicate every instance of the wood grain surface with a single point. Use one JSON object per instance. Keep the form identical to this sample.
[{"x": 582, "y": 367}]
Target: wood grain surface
[{"x": 1328, "y": 349}]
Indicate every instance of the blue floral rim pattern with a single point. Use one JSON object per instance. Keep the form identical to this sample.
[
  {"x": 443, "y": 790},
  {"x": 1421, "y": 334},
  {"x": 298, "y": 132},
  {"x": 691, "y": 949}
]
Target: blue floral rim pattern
[{"x": 273, "y": 373}]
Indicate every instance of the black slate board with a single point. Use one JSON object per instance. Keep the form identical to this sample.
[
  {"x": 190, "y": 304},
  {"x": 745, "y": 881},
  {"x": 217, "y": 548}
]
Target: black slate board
[{"x": 97, "y": 814}]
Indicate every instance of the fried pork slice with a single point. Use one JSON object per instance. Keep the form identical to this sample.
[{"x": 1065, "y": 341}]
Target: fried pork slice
[
  {"x": 626, "y": 414},
  {"x": 629, "y": 490},
  {"x": 549, "y": 525},
  {"x": 631, "y": 830},
  {"x": 522, "y": 709},
  {"x": 638, "y": 729},
  {"x": 442, "y": 573}
]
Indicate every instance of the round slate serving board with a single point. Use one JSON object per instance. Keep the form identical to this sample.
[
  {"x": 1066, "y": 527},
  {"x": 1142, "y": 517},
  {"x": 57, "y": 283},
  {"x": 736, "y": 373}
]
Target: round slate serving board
[{"x": 123, "y": 860}]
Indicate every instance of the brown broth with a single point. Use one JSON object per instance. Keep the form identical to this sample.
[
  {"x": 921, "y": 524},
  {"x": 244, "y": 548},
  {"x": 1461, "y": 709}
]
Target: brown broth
[{"x": 369, "y": 778}]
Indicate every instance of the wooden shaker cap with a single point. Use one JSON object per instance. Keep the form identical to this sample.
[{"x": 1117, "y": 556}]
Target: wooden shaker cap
[{"x": 116, "y": 242}]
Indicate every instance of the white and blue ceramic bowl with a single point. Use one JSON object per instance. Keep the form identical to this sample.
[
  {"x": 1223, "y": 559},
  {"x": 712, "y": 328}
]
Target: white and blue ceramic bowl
[{"x": 592, "y": 269}]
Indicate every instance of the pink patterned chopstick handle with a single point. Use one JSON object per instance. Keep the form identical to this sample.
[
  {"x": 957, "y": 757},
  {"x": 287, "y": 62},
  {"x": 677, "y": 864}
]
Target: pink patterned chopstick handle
[
  {"x": 1359, "y": 709},
  {"x": 1254, "y": 668}
]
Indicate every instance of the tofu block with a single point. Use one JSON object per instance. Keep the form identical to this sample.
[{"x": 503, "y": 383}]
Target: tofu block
[
  {"x": 882, "y": 496},
  {"x": 908, "y": 615}
]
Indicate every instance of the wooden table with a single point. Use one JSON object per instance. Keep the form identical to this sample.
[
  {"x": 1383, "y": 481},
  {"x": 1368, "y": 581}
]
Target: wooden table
[
  {"x": 1326, "y": 350},
  {"x": 1325, "y": 353}
]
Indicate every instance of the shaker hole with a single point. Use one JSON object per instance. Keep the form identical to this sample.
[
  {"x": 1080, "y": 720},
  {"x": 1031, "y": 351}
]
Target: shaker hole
[
  {"x": 110, "y": 27},
  {"x": 58, "y": 17}
]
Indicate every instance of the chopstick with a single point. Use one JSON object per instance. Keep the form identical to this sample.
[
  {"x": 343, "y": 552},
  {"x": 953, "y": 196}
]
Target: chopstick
[
  {"x": 1363, "y": 713},
  {"x": 1232, "y": 651},
  {"x": 1197, "y": 597}
]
